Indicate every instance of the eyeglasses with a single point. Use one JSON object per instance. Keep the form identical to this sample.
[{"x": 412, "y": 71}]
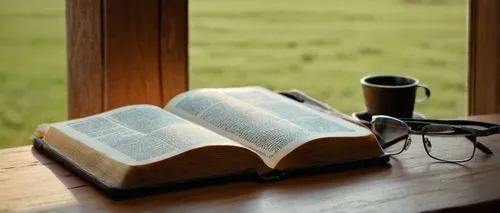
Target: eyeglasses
[{"x": 444, "y": 140}]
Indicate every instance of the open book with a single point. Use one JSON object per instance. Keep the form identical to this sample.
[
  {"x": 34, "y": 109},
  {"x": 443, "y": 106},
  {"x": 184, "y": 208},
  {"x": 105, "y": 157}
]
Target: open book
[{"x": 205, "y": 133}]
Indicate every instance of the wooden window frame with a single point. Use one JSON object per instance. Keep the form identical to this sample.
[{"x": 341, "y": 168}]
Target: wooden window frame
[
  {"x": 124, "y": 52},
  {"x": 484, "y": 57}
]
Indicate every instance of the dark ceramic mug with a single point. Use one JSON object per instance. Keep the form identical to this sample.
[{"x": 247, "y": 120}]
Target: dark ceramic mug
[{"x": 392, "y": 95}]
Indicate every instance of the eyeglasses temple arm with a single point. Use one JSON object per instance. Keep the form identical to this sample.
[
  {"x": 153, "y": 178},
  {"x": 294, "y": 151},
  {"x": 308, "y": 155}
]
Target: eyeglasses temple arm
[
  {"x": 455, "y": 123},
  {"x": 489, "y": 131},
  {"x": 480, "y": 146},
  {"x": 483, "y": 148},
  {"x": 392, "y": 142},
  {"x": 493, "y": 130}
]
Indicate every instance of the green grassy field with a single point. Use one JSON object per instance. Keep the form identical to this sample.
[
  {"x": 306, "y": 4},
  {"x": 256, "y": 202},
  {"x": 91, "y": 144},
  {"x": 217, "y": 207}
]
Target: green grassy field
[{"x": 322, "y": 47}]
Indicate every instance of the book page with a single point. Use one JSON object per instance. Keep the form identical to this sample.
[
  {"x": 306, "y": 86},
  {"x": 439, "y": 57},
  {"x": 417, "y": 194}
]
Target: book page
[
  {"x": 266, "y": 122},
  {"x": 140, "y": 134}
]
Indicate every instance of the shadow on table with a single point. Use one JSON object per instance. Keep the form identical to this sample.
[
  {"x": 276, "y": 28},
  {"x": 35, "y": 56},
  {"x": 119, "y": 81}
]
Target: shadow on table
[{"x": 238, "y": 188}]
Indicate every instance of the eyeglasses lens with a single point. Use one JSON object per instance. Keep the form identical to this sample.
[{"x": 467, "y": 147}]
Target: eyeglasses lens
[
  {"x": 448, "y": 143},
  {"x": 391, "y": 134}
]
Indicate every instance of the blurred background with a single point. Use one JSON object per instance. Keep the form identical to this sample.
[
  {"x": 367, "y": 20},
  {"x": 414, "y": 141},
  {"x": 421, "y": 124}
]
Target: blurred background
[{"x": 322, "y": 47}]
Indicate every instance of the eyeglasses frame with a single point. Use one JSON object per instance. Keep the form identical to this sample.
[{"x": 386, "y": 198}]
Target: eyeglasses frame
[{"x": 420, "y": 124}]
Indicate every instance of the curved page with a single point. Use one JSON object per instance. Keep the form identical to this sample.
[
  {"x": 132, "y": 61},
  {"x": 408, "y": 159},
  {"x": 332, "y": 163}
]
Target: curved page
[
  {"x": 140, "y": 134},
  {"x": 267, "y": 123}
]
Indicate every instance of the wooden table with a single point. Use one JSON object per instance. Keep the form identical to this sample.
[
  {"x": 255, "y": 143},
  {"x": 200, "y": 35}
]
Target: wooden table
[{"x": 412, "y": 182}]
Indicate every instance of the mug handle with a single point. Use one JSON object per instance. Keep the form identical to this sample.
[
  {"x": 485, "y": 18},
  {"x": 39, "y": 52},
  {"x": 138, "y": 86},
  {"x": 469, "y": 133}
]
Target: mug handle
[{"x": 427, "y": 93}]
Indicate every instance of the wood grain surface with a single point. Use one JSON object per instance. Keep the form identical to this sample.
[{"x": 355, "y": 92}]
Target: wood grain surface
[
  {"x": 173, "y": 47},
  {"x": 85, "y": 58},
  {"x": 484, "y": 57},
  {"x": 131, "y": 36},
  {"x": 123, "y": 52},
  {"x": 412, "y": 182}
]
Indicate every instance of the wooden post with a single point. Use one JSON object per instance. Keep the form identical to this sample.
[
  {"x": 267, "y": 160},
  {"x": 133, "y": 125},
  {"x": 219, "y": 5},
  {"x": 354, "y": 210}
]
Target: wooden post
[
  {"x": 123, "y": 52},
  {"x": 484, "y": 57}
]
